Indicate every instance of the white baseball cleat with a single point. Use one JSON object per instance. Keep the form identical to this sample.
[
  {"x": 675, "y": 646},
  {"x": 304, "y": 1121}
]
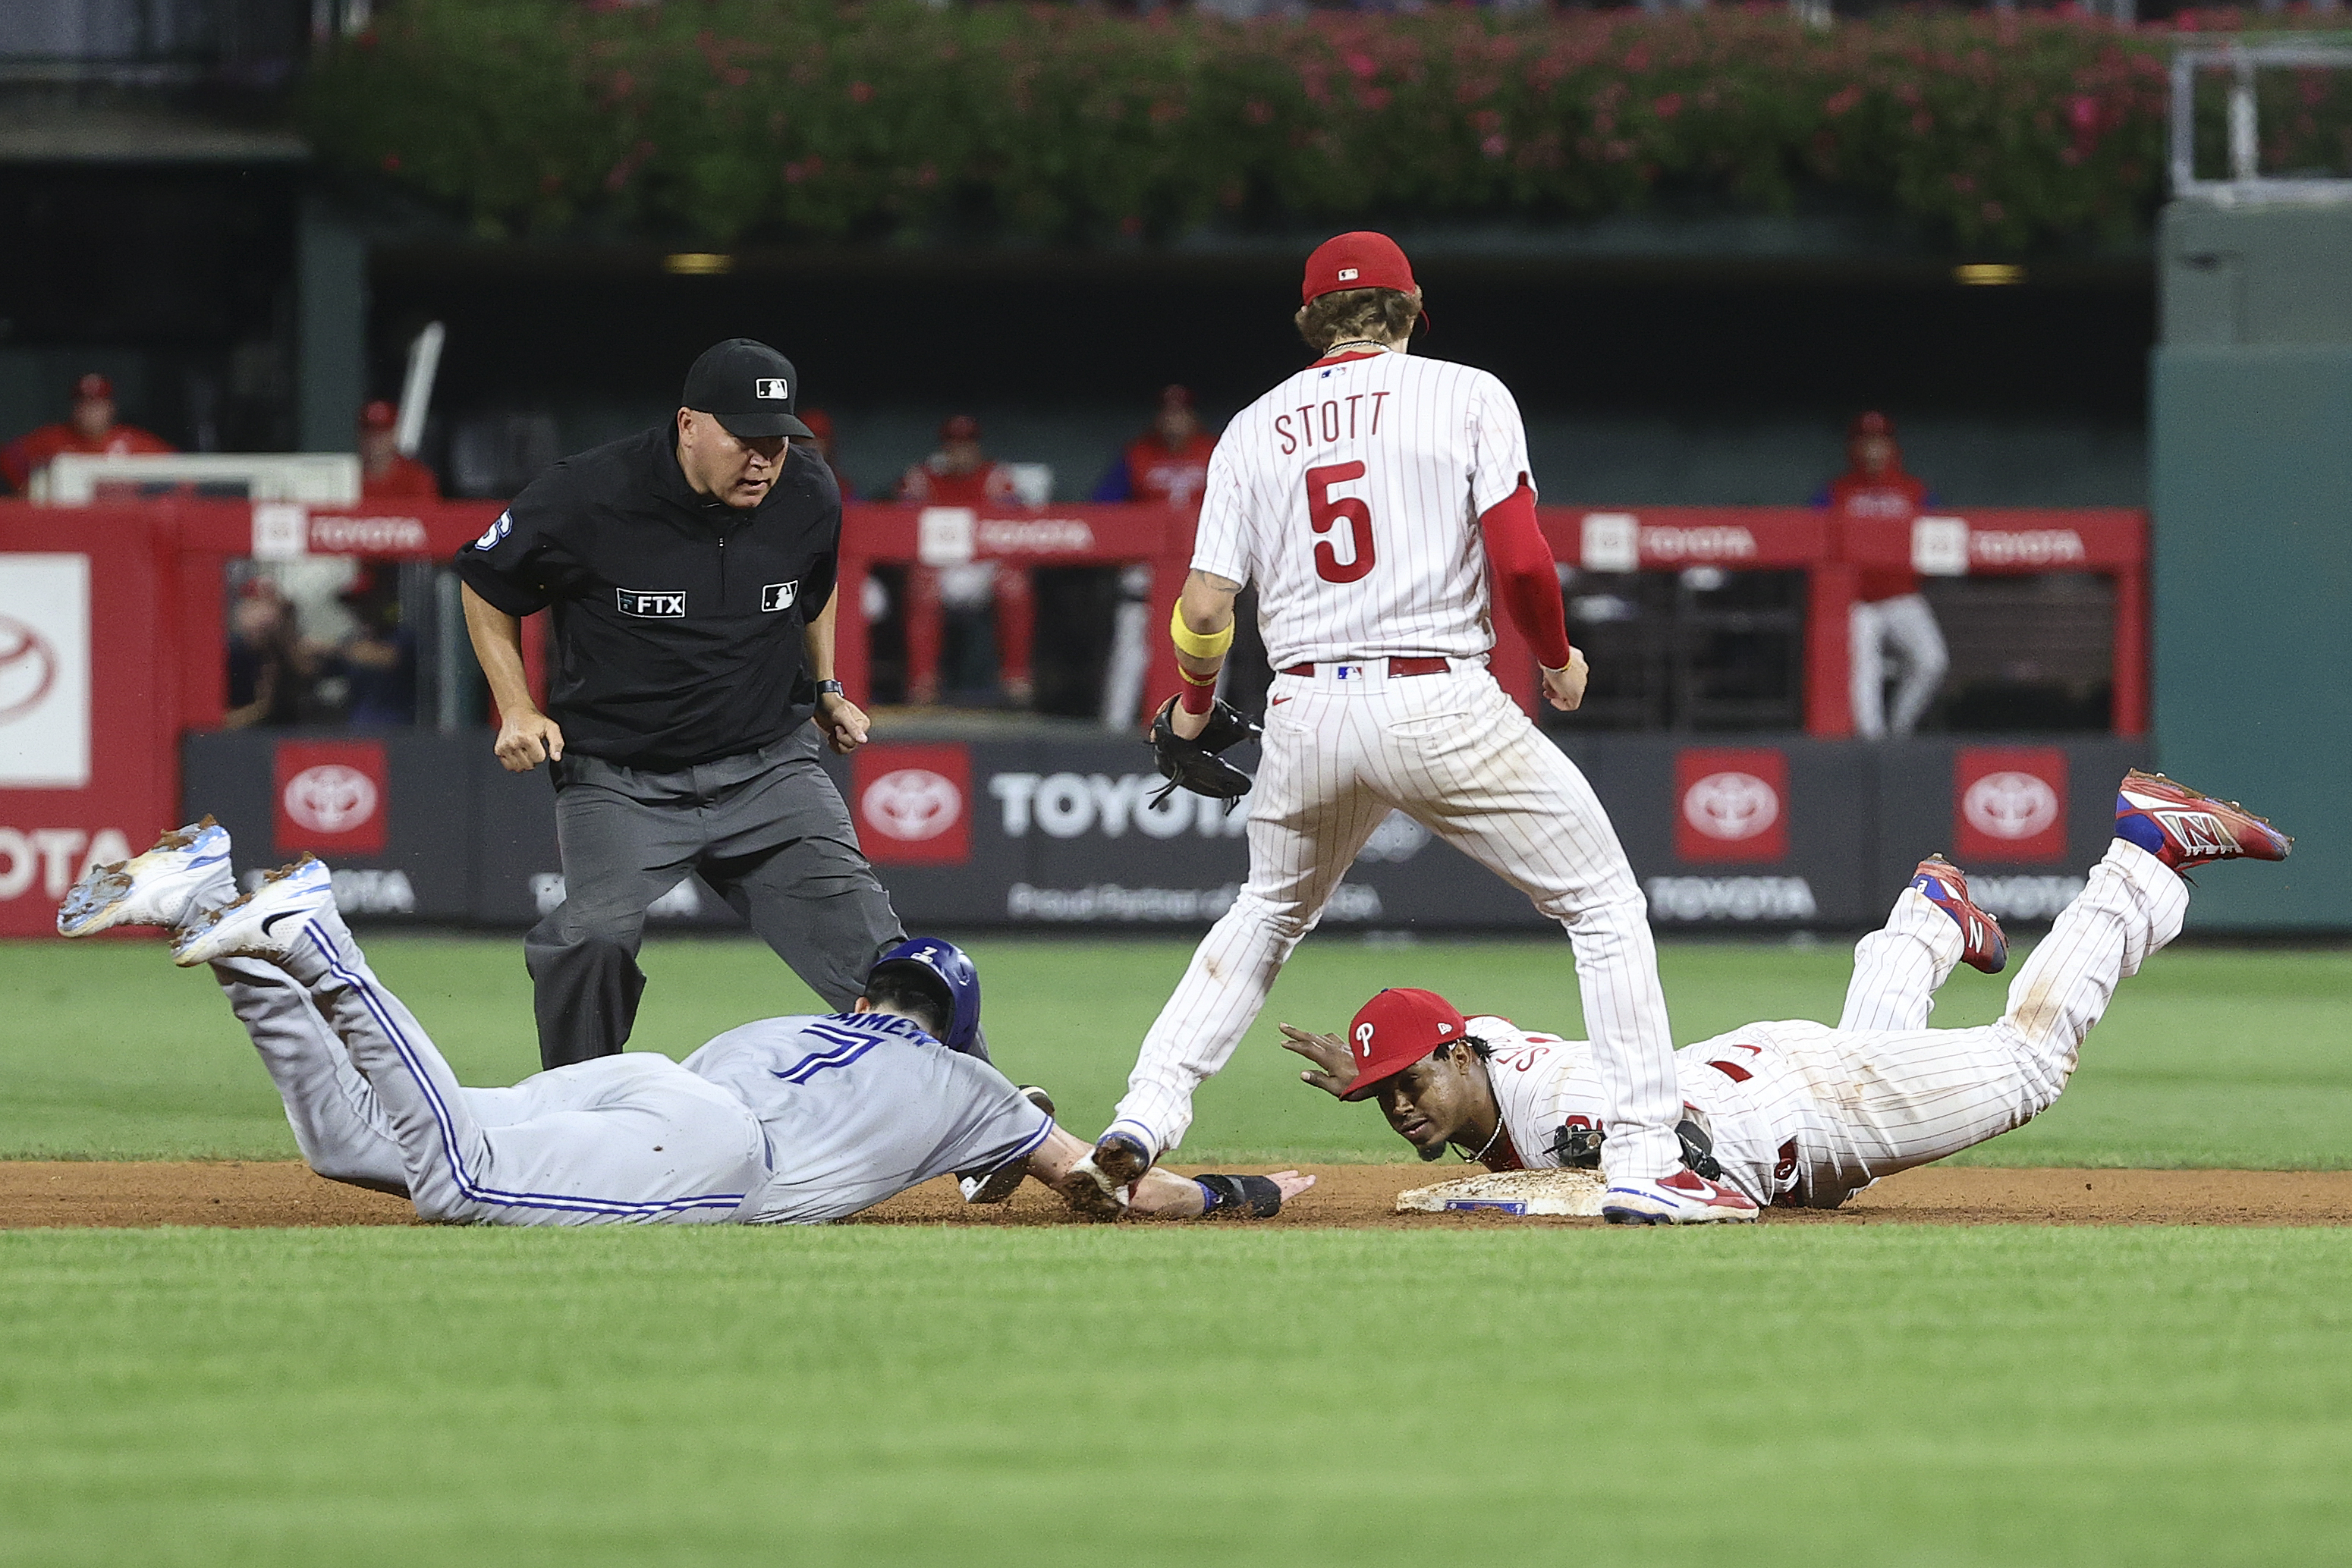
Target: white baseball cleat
[
  {"x": 157, "y": 888},
  {"x": 1685, "y": 1197},
  {"x": 264, "y": 923},
  {"x": 1001, "y": 1184}
]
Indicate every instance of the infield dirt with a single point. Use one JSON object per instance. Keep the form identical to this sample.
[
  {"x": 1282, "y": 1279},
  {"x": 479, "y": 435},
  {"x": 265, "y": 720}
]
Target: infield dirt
[{"x": 49, "y": 1194}]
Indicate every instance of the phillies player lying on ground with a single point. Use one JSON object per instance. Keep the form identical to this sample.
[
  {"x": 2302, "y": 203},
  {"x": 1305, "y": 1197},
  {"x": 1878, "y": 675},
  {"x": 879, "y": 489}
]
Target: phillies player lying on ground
[
  {"x": 784, "y": 1121},
  {"x": 1796, "y": 1112}
]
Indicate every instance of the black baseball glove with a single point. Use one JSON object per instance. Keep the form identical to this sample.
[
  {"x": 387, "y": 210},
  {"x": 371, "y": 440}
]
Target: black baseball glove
[
  {"x": 1195, "y": 764},
  {"x": 1578, "y": 1148}
]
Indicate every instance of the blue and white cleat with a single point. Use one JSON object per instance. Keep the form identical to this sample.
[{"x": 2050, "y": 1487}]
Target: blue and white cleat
[
  {"x": 1946, "y": 887},
  {"x": 264, "y": 923},
  {"x": 1099, "y": 1185},
  {"x": 157, "y": 888}
]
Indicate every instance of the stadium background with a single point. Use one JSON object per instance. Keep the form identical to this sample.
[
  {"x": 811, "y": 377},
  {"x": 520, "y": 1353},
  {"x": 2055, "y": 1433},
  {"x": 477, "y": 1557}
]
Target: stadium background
[{"x": 244, "y": 213}]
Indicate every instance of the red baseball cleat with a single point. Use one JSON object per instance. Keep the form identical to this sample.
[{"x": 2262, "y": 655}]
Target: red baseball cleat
[
  {"x": 2183, "y": 828},
  {"x": 1685, "y": 1197},
  {"x": 1946, "y": 887}
]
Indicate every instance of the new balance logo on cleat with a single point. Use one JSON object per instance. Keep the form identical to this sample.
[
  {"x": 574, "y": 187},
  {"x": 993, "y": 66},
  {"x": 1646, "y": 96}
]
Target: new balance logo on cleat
[
  {"x": 2185, "y": 828},
  {"x": 2198, "y": 832}
]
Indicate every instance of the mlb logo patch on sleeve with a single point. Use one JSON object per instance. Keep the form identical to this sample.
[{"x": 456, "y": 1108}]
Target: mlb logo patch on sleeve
[
  {"x": 650, "y": 602},
  {"x": 779, "y": 595}
]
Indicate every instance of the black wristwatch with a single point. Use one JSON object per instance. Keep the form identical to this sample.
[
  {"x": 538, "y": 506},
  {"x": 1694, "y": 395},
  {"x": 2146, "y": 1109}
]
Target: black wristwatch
[{"x": 830, "y": 688}]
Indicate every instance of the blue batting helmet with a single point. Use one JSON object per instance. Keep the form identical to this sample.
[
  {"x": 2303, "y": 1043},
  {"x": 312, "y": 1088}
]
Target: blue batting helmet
[{"x": 954, "y": 969}]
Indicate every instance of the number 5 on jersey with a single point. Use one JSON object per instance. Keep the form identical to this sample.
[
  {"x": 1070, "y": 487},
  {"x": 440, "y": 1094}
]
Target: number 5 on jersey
[{"x": 1322, "y": 510}]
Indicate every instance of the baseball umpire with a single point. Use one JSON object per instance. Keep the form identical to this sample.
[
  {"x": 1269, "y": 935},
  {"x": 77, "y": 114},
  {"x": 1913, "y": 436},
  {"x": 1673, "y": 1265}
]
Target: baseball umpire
[{"x": 691, "y": 569}]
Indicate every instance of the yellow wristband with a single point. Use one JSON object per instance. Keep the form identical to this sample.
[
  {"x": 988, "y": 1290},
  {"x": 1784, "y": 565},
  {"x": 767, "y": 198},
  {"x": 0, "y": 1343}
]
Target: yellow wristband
[
  {"x": 1191, "y": 679},
  {"x": 1211, "y": 646}
]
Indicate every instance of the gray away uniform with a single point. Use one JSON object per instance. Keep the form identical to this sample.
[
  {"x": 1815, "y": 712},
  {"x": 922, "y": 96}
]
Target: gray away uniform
[{"x": 785, "y": 1120}]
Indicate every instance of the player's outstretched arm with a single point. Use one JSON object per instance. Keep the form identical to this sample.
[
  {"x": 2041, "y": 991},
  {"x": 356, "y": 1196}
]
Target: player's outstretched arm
[{"x": 1161, "y": 1194}]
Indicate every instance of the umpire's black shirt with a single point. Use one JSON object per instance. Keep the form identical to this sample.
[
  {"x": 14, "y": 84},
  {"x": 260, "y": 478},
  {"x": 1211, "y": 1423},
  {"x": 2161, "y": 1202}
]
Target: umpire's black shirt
[{"x": 677, "y": 620}]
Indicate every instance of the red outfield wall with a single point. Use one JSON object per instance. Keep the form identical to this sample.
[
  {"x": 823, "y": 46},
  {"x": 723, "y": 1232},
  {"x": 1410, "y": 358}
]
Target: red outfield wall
[{"x": 113, "y": 628}]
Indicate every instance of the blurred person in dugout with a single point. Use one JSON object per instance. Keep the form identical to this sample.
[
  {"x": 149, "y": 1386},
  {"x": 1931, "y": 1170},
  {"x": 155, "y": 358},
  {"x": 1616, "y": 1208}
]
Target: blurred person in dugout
[
  {"x": 270, "y": 667},
  {"x": 377, "y": 661},
  {"x": 959, "y": 473},
  {"x": 387, "y": 473},
  {"x": 1893, "y": 622},
  {"x": 346, "y": 611},
  {"x": 91, "y": 429},
  {"x": 1167, "y": 466}
]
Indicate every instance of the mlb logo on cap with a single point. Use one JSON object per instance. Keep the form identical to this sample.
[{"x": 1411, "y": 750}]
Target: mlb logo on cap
[
  {"x": 1359, "y": 261},
  {"x": 774, "y": 386}
]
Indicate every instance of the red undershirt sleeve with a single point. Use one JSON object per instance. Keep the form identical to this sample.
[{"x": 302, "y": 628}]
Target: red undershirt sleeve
[{"x": 1527, "y": 582}]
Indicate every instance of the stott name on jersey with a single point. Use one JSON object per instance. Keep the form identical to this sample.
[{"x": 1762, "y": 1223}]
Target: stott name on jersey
[
  {"x": 1351, "y": 495},
  {"x": 1316, "y": 423}
]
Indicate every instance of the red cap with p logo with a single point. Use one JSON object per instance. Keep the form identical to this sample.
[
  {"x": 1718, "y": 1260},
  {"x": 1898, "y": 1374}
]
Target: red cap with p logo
[{"x": 1395, "y": 1029}]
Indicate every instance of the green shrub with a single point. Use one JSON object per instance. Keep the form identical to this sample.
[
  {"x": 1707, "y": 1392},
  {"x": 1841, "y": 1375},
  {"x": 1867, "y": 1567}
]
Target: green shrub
[{"x": 719, "y": 120}]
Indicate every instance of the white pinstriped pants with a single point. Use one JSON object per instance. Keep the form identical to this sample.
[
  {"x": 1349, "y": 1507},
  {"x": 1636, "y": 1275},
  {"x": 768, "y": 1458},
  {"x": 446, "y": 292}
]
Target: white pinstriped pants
[
  {"x": 1907, "y": 625},
  {"x": 1456, "y": 755},
  {"x": 1895, "y": 1093}
]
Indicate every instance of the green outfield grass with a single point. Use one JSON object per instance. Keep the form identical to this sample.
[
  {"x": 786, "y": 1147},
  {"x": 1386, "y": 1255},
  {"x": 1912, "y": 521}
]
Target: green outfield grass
[
  {"x": 2211, "y": 1056},
  {"x": 1211, "y": 1396}
]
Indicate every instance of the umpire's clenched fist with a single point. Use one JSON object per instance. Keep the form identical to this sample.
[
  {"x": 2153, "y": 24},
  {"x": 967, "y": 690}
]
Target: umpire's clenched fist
[{"x": 527, "y": 739}]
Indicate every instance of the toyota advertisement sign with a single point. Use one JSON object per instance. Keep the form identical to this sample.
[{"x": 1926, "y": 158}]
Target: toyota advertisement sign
[
  {"x": 86, "y": 712},
  {"x": 1061, "y": 834},
  {"x": 45, "y": 672}
]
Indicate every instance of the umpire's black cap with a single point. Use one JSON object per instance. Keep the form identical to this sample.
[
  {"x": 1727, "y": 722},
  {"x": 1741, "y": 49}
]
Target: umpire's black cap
[{"x": 748, "y": 387}]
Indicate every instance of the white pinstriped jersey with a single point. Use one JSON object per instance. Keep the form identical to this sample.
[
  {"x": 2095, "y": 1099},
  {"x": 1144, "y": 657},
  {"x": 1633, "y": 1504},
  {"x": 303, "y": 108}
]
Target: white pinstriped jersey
[
  {"x": 1351, "y": 495},
  {"x": 1756, "y": 1106}
]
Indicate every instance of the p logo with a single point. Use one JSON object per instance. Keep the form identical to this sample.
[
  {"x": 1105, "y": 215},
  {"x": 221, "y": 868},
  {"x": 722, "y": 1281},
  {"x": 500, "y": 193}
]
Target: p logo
[
  {"x": 773, "y": 387},
  {"x": 1364, "y": 1040}
]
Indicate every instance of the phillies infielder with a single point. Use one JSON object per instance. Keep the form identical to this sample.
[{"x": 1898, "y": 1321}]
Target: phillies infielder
[
  {"x": 1797, "y": 1113},
  {"x": 1355, "y": 496}
]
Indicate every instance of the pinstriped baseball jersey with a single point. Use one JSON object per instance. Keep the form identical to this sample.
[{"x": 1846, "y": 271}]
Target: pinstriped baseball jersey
[
  {"x": 1351, "y": 495},
  {"x": 1805, "y": 1112},
  {"x": 1757, "y": 1110}
]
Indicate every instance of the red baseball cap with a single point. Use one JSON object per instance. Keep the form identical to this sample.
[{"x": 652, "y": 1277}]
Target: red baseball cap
[
  {"x": 1395, "y": 1029},
  {"x": 1359, "y": 261},
  {"x": 379, "y": 415},
  {"x": 93, "y": 385},
  {"x": 1870, "y": 423},
  {"x": 959, "y": 427}
]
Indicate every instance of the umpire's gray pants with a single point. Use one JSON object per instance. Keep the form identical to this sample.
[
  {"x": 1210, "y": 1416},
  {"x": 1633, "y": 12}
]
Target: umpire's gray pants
[{"x": 768, "y": 831}]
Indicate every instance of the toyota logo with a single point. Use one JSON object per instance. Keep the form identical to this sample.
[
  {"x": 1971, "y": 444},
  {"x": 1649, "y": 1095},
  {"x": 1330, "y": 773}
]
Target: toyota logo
[
  {"x": 911, "y": 804},
  {"x": 28, "y": 668},
  {"x": 2010, "y": 805},
  {"x": 1731, "y": 806},
  {"x": 331, "y": 797}
]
